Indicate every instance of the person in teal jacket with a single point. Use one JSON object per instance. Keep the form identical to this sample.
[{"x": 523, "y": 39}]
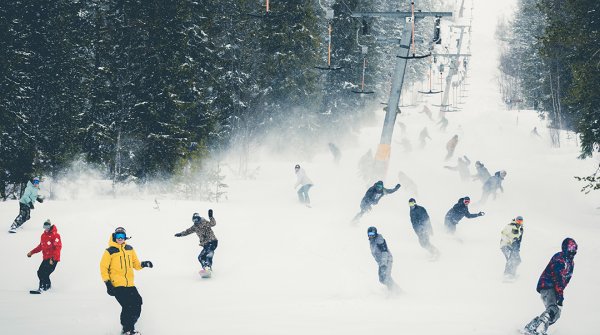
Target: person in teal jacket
[{"x": 26, "y": 203}]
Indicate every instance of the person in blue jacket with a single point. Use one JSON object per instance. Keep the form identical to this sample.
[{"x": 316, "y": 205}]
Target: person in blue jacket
[
  {"x": 457, "y": 212},
  {"x": 551, "y": 287},
  {"x": 422, "y": 226},
  {"x": 26, "y": 203},
  {"x": 372, "y": 197},
  {"x": 382, "y": 256}
]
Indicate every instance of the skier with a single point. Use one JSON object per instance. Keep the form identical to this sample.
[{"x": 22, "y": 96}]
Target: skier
[
  {"x": 482, "y": 172},
  {"x": 306, "y": 184},
  {"x": 422, "y": 226},
  {"x": 423, "y": 136},
  {"x": 462, "y": 167},
  {"x": 551, "y": 286},
  {"x": 382, "y": 256},
  {"x": 457, "y": 212},
  {"x": 50, "y": 246},
  {"x": 372, "y": 197},
  {"x": 26, "y": 203},
  {"x": 451, "y": 146},
  {"x": 116, "y": 269},
  {"x": 510, "y": 244},
  {"x": 208, "y": 240},
  {"x": 335, "y": 151},
  {"x": 492, "y": 185}
]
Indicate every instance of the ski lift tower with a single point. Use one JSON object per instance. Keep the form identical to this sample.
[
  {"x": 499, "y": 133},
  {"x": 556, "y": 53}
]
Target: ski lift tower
[{"x": 382, "y": 157}]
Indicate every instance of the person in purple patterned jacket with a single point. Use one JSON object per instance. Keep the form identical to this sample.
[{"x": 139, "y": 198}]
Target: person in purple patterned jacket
[{"x": 551, "y": 286}]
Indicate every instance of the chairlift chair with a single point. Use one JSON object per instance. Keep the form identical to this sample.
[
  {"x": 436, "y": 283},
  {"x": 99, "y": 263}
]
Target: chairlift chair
[{"x": 329, "y": 15}]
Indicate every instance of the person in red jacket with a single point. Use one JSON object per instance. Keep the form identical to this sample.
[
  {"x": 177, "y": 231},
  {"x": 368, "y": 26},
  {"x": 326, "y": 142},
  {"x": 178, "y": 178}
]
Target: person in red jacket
[{"x": 50, "y": 245}]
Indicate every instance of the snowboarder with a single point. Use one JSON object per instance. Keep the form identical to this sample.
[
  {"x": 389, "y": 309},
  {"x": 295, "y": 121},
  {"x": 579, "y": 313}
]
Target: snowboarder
[
  {"x": 382, "y": 256},
  {"x": 26, "y": 203},
  {"x": 492, "y": 185},
  {"x": 451, "y": 146},
  {"x": 482, "y": 172},
  {"x": 116, "y": 268},
  {"x": 457, "y": 212},
  {"x": 423, "y": 137},
  {"x": 305, "y": 185},
  {"x": 427, "y": 112},
  {"x": 50, "y": 246},
  {"x": 462, "y": 167},
  {"x": 422, "y": 226},
  {"x": 551, "y": 286},
  {"x": 208, "y": 240},
  {"x": 510, "y": 244},
  {"x": 372, "y": 197},
  {"x": 335, "y": 151},
  {"x": 534, "y": 132}
]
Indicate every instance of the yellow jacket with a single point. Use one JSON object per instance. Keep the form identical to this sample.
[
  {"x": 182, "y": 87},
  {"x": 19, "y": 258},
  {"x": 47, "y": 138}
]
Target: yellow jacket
[{"x": 117, "y": 264}]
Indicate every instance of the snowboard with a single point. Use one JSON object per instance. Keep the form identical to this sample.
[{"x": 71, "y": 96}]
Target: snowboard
[
  {"x": 12, "y": 231},
  {"x": 35, "y": 292},
  {"x": 205, "y": 273}
]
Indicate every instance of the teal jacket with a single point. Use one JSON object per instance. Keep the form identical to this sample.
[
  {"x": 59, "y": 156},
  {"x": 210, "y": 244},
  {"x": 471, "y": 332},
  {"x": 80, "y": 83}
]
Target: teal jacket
[{"x": 30, "y": 195}]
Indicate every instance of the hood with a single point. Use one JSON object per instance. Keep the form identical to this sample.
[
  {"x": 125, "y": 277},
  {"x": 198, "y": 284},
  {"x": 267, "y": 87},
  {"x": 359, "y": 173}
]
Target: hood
[{"x": 569, "y": 246}]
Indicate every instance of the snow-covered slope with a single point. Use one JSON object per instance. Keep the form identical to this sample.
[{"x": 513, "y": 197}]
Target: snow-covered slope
[{"x": 282, "y": 268}]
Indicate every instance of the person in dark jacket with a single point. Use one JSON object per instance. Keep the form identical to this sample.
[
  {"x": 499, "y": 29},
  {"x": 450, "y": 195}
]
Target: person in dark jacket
[
  {"x": 208, "y": 240},
  {"x": 26, "y": 203},
  {"x": 422, "y": 226},
  {"x": 372, "y": 197},
  {"x": 551, "y": 286},
  {"x": 457, "y": 212},
  {"x": 50, "y": 246},
  {"x": 492, "y": 185},
  {"x": 382, "y": 256},
  {"x": 510, "y": 244}
]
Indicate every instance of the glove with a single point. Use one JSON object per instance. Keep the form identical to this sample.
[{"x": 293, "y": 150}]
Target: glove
[
  {"x": 397, "y": 186},
  {"x": 560, "y": 302},
  {"x": 40, "y": 199},
  {"x": 178, "y": 235},
  {"x": 51, "y": 261},
  {"x": 31, "y": 205},
  {"x": 481, "y": 213},
  {"x": 110, "y": 289},
  {"x": 210, "y": 213},
  {"x": 147, "y": 264},
  {"x": 29, "y": 254}
]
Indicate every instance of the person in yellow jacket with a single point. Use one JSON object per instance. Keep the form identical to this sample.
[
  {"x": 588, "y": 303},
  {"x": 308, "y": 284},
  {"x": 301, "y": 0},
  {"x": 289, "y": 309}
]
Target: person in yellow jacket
[
  {"x": 116, "y": 269},
  {"x": 510, "y": 244}
]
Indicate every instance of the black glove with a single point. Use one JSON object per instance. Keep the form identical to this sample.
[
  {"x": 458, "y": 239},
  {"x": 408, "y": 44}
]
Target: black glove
[
  {"x": 147, "y": 264},
  {"x": 110, "y": 289},
  {"x": 31, "y": 205},
  {"x": 481, "y": 213},
  {"x": 40, "y": 199},
  {"x": 397, "y": 186},
  {"x": 178, "y": 235},
  {"x": 559, "y": 302},
  {"x": 210, "y": 213}
]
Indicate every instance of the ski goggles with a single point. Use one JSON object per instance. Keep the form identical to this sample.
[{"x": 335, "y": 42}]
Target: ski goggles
[
  {"x": 121, "y": 236},
  {"x": 466, "y": 202},
  {"x": 371, "y": 233},
  {"x": 411, "y": 203}
]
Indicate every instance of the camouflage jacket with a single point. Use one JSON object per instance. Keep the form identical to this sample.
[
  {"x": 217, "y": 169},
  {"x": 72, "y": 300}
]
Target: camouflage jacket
[{"x": 203, "y": 229}]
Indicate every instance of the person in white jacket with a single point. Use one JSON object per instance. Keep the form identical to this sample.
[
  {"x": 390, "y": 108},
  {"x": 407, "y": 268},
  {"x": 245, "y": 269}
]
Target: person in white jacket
[
  {"x": 510, "y": 244},
  {"x": 305, "y": 184}
]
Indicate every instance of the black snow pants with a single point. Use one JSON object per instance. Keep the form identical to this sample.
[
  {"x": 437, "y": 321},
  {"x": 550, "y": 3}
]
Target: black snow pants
[
  {"x": 206, "y": 255},
  {"x": 24, "y": 215},
  {"x": 44, "y": 272},
  {"x": 131, "y": 306}
]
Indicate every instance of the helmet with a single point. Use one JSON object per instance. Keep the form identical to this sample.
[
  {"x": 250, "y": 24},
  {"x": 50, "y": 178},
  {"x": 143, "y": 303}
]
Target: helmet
[
  {"x": 297, "y": 166},
  {"x": 519, "y": 219},
  {"x": 503, "y": 173},
  {"x": 569, "y": 247},
  {"x": 372, "y": 231},
  {"x": 196, "y": 218},
  {"x": 379, "y": 185},
  {"x": 119, "y": 231}
]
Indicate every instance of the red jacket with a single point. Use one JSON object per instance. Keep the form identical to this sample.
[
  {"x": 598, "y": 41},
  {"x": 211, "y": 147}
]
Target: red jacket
[{"x": 50, "y": 245}]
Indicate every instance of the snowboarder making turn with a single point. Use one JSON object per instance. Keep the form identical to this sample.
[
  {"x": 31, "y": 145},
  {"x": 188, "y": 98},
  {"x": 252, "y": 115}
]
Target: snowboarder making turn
[
  {"x": 510, "y": 244},
  {"x": 372, "y": 197},
  {"x": 305, "y": 185},
  {"x": 422, "y": 227},
  {"x": 382, "y": 256},
  {"x": 457, "y": 212},
  {"x": 116, "y": 269},
  {"x": 50, "y": 246},
  {"x": 208, "y": 240},
  {"x": 551, "y": 286},
  {"x": 26, "y": 203}
]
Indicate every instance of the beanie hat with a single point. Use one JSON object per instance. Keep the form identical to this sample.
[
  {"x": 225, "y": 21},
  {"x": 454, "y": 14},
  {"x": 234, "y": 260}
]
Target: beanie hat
[
  {"x": 412, "y": 200},
  {"x": 47, "y": 224}
]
